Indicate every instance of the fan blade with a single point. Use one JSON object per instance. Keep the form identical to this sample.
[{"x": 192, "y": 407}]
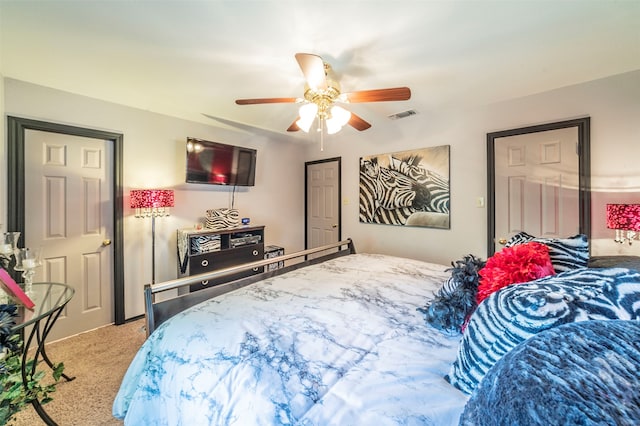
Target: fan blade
[
  {"x": 358, "y": 123},
  {"x": 294, "y": 126},
  {"x": 266, "y": 101},
  {"x": 379, "y": 95},
  {"x": 312, "y": 67}
]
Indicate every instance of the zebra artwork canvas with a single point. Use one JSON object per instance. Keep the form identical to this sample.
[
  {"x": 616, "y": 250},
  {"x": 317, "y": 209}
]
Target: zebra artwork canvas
[{"x": 409, "y": 188}]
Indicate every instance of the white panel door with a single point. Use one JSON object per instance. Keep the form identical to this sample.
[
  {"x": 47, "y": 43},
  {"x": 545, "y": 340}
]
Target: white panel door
[
  {"x": 323, "y": 209},
  {"x": 69, "y": 215},
  {"x": 536, "y": 186}
]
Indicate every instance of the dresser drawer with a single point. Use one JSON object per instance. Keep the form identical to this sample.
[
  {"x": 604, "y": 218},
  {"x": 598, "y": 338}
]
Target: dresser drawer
[{"x": 224, "y": 259}]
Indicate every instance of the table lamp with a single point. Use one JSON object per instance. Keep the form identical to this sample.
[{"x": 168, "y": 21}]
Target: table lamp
[{"x": 625, "y": 219}]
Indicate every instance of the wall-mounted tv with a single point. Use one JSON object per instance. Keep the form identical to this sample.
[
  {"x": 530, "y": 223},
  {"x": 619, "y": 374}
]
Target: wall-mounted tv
[{"x": 220, "y": 164}]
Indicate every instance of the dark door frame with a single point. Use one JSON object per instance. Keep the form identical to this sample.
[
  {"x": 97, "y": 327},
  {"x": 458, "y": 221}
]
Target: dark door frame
[
  {"x": 306, "y": 196},
  {"x": 584, "y": 172},
  {"x": 16, "y": 128}
]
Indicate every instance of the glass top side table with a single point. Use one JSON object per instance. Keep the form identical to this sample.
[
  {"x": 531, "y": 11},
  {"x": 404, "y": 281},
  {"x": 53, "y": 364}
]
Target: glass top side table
[
  {"x": 50, "y": 300},
  {"x": 48, "y": 297}
]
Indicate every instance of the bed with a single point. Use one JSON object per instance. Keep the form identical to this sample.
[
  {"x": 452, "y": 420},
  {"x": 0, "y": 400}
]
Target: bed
[
  {"x": 343, "y": 340},
  {"x": 337, "y": 342}
]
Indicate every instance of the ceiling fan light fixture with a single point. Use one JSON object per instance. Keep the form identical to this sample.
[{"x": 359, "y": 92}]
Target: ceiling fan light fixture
[
  {"x": 337, "y": 119},
  {"x": 307, "y": 114},
  {"x": 321, "y": 91},
  {"x": 332, "y": 127}
]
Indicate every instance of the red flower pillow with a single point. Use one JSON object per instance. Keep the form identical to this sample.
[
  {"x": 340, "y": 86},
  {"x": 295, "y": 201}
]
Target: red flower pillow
[{"x": 517, "y": 264}]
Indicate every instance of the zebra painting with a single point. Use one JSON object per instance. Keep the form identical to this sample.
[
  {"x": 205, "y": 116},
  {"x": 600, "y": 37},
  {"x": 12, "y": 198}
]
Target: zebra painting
[{"x": 406, "y": 188}]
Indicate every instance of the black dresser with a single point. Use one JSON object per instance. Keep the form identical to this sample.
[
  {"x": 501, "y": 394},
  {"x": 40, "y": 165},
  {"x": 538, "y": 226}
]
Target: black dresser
[{"x": 201, "y": 251}]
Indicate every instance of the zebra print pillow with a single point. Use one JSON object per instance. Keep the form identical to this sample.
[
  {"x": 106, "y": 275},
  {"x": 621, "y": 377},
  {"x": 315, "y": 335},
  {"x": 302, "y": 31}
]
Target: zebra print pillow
[
  {"x": 566, "y": 253},
  {"x": 517, "y": 312},
  {"x": 519, "y": 238}
]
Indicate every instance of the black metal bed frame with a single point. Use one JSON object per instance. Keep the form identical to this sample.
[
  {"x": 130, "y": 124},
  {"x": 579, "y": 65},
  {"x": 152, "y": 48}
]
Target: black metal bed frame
[{"x": 158, "y": 312}]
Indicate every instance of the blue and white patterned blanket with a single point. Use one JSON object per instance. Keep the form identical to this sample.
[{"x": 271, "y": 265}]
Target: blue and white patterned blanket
[{"x": 335, "y": 343}]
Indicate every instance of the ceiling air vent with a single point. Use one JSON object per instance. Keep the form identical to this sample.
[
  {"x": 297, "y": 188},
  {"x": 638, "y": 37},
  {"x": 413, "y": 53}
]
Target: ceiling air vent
[{"x": 403, "y": 114}]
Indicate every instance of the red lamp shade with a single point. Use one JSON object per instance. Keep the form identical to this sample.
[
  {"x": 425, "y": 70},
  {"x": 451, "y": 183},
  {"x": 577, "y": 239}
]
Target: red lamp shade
[
  {"x": 151, "y": 203},
  {"x": 623, "y": 216},
  {"x": 151, "y": 198}
]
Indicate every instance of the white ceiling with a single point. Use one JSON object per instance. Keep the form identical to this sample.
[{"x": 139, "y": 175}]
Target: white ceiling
[{"x": 189, "y": 58}]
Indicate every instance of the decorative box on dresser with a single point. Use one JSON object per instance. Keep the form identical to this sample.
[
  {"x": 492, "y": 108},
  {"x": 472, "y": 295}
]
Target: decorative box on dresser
[{"x": 208, "y": 250}]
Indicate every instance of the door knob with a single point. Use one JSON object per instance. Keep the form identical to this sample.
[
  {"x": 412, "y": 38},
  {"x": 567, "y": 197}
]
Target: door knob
[
  {"x": 106, "y": 242},
  {"x": 502, "y": 241},
  {"x": 334, "y": 226}
]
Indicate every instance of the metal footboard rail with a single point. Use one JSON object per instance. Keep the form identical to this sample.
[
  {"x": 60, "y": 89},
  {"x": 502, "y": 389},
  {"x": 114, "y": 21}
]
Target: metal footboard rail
[{"x": 158, "y": 312}]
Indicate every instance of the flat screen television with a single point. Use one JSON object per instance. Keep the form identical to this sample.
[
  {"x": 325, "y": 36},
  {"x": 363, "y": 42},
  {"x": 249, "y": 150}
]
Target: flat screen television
[{"x": 220, "y": 164}]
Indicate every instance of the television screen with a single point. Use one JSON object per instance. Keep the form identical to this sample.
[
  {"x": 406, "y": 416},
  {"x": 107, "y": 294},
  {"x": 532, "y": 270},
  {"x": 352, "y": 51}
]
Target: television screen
[{"x": 220, "y": 164}]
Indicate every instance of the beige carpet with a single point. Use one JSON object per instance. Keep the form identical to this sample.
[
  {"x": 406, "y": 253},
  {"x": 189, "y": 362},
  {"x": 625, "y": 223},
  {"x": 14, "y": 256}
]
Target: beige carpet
[{"x": 98, "y": 359}]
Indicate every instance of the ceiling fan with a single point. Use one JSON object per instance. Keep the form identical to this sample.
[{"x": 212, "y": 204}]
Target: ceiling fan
[{"x": 321, "y": 94}]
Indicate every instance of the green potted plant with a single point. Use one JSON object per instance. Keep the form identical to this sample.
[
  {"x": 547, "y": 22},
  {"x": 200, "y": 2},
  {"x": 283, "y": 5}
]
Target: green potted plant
[{"x": 14, "y": 395}]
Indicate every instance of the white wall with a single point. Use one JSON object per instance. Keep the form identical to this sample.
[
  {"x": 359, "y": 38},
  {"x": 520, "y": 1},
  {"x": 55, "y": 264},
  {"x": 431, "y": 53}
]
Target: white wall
[
  {"x": 613, "y": 105},
  {"x": 154, "y": 157}
]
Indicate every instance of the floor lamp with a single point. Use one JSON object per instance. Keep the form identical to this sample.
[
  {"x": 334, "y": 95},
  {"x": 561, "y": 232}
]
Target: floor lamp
[{"x": 152, "y": 203}]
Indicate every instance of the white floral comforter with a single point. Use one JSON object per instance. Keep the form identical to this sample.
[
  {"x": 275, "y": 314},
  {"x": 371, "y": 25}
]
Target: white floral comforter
[{"x": 339, "y": 343}]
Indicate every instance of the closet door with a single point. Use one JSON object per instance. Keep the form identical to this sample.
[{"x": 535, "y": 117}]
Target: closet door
[
  {"x": 68, "y": 215},
  {"x": 323, "y": 202},
  {"x": 538, "y": 182}
]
